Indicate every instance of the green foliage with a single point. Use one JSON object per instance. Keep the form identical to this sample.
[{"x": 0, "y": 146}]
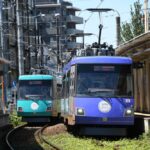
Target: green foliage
[
  {"x": 136, "y": 19},
  {"x": 67, "y": 141},
  {"x": 136, "y": 25},
  {"x": 126, "y": 32},
  {"x": 14, "y": 119}
]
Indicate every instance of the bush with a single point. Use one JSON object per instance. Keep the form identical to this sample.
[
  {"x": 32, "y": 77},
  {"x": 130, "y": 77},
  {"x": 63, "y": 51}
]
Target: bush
[{"x": 14, "y": 119}]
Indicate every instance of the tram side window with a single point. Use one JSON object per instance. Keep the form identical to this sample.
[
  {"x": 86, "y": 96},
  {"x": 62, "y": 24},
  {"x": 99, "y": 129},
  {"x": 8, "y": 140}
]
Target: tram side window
[
  {"x": 129, "y": 86},
  {"x": 59, "y": 92},
  {"x": 124, "y": 85},
  {"x": 121, "y": 84},
  {"x": 64, "y": 88},
  {"x": 71, "y": 86},
  {"x": 68, "y": 83}
]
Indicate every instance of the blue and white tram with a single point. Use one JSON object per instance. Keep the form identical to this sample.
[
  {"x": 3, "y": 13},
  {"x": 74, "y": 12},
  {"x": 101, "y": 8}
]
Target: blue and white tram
[{"x": 98, "y": 94}]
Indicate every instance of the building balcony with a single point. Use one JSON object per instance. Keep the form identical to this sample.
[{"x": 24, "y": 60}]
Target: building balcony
[
  {"x": 47, "y": 5},
  {"x": 51, "y": 31},
  {"x": 71, "y": 8},
  {"x": 73, "y": 31},
  {"x": 46, "y": 1},
  {"x": 75, "y": 19},
  {"x": 73, "y": 45},
  {"x": 53, "y": 44}
]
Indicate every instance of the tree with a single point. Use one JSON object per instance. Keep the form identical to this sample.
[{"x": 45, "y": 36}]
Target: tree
[{"x": 136, "y": 25}]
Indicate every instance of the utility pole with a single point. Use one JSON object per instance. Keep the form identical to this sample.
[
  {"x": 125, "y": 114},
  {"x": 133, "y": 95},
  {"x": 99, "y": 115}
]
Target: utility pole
[
  {"x": 36, "y": 33},
  {"x": 146, "y": 14},
  {"x": 1, "y": 55},
  {"x": 19, "y": 40},
  {"x": 28, "y": 53},
  {"x": 5, "y": 49},
  {"x": 118, "y": 29},
  {"x": 57, "y": 15},
  {"x": 57, "y": 42},
  {"x": 1, "y": 31}
]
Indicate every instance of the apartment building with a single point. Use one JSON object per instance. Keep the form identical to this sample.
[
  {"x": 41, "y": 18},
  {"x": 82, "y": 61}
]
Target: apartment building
[
  {"x": 58, "y": 29},
  {"x": 37, "y": 33}
]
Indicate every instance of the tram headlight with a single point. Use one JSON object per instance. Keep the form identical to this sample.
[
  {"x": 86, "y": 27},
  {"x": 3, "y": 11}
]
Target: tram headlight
[
  {"x": 49, "y": 109},
  {"x": 20, "y": 109},
  {"x": 129, "y": 112},
  {"x": 80, "y": 111}
]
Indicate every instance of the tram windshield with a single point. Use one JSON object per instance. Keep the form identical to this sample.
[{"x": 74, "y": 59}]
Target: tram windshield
[
  {"x": 35, "y": 89},
  {"x": 104, "y": 80}
]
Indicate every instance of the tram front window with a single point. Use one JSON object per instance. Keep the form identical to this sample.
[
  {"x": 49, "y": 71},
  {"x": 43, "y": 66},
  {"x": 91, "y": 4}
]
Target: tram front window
[
  {"x": 104, "y": 81},
  {"x": 35, "y": 90}
]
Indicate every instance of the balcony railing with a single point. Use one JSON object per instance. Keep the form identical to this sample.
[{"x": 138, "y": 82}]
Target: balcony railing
[
  {"x": 73, "y": 45},
  {"x": 53, "y": 44},
  {"x": 73, "y": 31},
  {"x": 75, "y": 19},
  {"x": 51, "y": 31},
  {"x": 46, "y": 1}
]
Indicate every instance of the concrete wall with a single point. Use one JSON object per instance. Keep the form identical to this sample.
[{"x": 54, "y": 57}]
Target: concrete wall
[{"x": 4, "y": 119}]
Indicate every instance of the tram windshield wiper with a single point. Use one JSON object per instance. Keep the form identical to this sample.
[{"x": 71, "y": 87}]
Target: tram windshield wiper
[
  {"x": 101, "y": 92},
  {"x": 92, "y": 90},
  {"x": 122, "y": 96},
  {"x": 33, "y": 97}
]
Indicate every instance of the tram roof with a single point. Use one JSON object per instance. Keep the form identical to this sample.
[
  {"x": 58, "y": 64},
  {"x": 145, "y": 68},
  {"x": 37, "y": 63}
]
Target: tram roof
[
  {"x": 36, "y": 77},
  {"x": 98, "y": 60}
]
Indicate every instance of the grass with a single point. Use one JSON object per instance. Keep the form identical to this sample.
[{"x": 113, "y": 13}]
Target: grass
[
  {"x": 67, "y": 141},
  {"x": 14, "y": 119}
]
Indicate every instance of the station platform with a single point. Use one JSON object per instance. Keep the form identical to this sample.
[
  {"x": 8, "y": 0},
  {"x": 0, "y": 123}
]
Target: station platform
[{"x": 143, "y": 121}]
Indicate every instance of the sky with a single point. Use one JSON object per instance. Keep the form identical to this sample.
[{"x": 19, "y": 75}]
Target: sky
[{"x": 107, "y": 19}]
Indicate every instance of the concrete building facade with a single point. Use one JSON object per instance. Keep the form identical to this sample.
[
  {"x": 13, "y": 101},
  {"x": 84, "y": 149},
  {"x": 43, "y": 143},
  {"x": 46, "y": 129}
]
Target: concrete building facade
[{"x": 58, "y": 30}]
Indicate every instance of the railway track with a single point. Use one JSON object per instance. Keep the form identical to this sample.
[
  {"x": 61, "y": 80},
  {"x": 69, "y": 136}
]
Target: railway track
[
  {"x": 27, "y": 137},
  {"x": 9, "y": 136},
  {"x": 39, "y": 136}
]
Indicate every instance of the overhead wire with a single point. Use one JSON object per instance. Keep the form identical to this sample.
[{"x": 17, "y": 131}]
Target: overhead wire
[{"x": 101, "y": 1}]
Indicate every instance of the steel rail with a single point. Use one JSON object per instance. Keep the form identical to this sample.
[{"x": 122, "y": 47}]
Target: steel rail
[
  {"x": 10, "y": 133},
  {"x": 39, "y": 134}
]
